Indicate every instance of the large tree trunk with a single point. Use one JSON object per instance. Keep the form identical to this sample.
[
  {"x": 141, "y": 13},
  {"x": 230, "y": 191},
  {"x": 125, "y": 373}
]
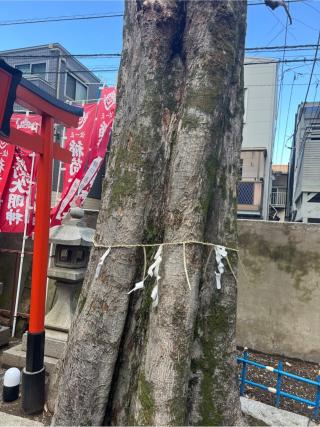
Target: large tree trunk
[{"x": 171, "y": 177}]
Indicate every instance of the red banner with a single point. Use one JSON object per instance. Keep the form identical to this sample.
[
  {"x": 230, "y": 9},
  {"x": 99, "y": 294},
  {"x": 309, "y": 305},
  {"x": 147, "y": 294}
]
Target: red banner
[
  {"x": 6, "y": 157},
  {"x": 78, "y": 142},
  {"x": 76, "y": 190},
  {"x": 101, "y": 136},
  {"x": 19, "y": 184}
]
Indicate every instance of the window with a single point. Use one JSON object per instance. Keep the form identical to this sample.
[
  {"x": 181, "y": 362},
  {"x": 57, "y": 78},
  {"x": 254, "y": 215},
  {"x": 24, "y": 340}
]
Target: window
[
  {"x": 313, "y": 220},
  {"x": 312, "y": 111},
  {"x": 245, "y": 193},
  {"x": 24, "y": 68},
  {"x": 75, "y": 89},
  {"x": 315, "y": 198},
  {"x": 38, "y": 69}
]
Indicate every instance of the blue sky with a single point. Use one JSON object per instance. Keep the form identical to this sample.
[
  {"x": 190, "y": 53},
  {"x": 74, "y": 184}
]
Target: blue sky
[{"x": 264, "y": 27}]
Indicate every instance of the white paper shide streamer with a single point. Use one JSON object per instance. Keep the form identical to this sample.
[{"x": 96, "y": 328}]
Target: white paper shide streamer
[
  {"x": 153, "y": 271},
  {"x": 221, "y": 253},
  {"x": 100, "y": 263},
  {"x": 138, "y": 285}
]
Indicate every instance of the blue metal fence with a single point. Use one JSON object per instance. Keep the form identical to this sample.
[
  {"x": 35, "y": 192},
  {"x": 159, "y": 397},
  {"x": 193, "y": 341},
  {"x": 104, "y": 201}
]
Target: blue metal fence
[{"x": 277, "y": 390}]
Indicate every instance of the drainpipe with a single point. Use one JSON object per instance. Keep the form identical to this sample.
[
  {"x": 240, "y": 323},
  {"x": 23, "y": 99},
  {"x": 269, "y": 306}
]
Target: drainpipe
[
  {"x": 58, "y": 74},
  {"x": 58, "y": 69}
]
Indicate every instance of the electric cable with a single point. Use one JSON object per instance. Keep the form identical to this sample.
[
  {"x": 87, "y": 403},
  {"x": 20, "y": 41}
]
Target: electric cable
[
  {"x": 262, "y": 62},
  {"x": 90, "y": 17},
  {"x": 294, "y": 48},
  {"x": 279, "y": 106},
  {"x": 60, "y": 19},
  {"x": 287, "y": 120}
]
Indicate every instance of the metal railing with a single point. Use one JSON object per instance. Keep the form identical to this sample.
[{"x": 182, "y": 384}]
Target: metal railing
[
  {"x": 277, "y": 390},
  {"x": 279, "y": 198}
]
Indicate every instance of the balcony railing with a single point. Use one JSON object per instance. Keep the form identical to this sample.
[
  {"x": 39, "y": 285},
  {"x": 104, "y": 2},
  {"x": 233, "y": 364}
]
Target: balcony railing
[
  {"x": 250, "y": 196},
  {"x": 278, "y": 199}
]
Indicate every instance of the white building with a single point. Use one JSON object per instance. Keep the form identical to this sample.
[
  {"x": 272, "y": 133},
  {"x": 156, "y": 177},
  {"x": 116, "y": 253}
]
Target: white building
[
  {"x": 260, "y": 82},
  {"x": 304, "y": 178}
]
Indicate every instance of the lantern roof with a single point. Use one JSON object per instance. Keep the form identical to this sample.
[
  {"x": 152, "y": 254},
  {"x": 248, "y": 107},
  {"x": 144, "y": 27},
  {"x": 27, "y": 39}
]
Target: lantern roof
[{"x": 73, "y": 231}]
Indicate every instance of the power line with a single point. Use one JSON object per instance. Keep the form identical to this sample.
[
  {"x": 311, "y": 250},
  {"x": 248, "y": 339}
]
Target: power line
[
  {"x": 73, "y": 71},
  {"x": 60, "y": 18},
  {"x": 79, "y": 55},
  {"x": 263, "y": 3},
  {"x": 286, "y": 47},
  {"x": 289, "y": 107},
  {"x": 284, "y": 84},
  {"x": 276, "y": 36},
  {"x": 312, "y": 7},
  {"x": 118, "y": 55},
  {"x": 89, "y": 17},
  {"x": 92, "y": 70},
  {"x": 286, "y": 61},
  {"x": 274, "y": 15},
  {"x": 279, "y": 104}
]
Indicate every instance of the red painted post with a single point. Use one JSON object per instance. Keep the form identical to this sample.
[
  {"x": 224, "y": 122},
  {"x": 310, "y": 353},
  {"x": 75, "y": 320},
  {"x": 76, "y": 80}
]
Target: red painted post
[{"x": 33, "y": 377}]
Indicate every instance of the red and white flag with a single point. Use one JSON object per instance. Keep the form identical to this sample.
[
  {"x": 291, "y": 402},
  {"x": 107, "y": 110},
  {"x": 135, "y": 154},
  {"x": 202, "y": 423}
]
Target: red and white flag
[
  {"x": 6, "y": 158},
  {"x": 99, "y": 143},
  {"x": 78, "y": 143},
  {"x": 78, "y": 183},
  {"x": 18, "y": 193}
]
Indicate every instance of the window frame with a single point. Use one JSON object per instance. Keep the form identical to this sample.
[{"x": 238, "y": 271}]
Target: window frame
[
  {"x": 43, "y": 76},
  {"x": 79, "y": 81}
]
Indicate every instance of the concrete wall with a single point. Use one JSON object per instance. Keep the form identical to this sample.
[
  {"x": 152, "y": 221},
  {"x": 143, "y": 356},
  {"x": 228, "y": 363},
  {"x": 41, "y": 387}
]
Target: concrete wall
[{"x": 279, "y": 288}]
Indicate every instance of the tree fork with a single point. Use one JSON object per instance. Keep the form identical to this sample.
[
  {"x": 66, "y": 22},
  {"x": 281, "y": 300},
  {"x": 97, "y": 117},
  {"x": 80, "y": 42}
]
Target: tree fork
[{"x": 172, "y": 175}]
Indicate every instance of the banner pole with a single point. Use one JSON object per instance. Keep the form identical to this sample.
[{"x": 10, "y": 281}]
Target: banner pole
[
  {"x": 57, "y": 199},
  {"x": 24, "y": 238}
]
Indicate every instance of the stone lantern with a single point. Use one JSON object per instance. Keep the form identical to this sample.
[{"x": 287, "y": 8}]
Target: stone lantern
[{"x": 72, "y": 242}]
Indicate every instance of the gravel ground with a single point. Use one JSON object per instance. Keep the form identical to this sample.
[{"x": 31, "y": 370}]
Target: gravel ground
[
  {"x": 294, "y": 366},
  {"x": 14, "y": 408},
  {"x": 298, "y": 367}
]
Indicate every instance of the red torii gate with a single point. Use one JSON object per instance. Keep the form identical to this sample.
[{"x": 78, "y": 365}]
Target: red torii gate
[{"x": 13, "y": 88}]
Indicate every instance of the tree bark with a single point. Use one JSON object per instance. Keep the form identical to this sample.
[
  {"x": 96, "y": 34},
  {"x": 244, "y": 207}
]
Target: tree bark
[{"x": 171, "y": 178}]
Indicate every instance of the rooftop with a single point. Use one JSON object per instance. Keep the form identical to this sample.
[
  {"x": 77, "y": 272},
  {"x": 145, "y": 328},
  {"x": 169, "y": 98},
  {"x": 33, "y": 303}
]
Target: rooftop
[
  {"x": 53, "y": 46},
  {"x": 280, "y": 168}
]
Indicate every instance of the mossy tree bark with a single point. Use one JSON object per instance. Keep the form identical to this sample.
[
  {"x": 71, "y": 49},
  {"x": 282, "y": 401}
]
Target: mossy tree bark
[{"x": 171, "y": 177}]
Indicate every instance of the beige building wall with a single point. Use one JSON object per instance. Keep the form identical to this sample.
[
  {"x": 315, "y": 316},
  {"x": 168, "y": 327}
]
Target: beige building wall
[{"x": 260, "y": 82}]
